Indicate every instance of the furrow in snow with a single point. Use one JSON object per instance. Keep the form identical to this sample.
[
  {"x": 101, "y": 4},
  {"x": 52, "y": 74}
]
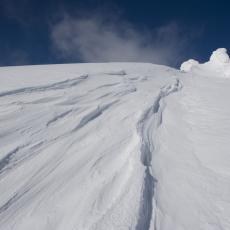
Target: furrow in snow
[
  {"x": 93, "y": 115},
  {"x": 58, "y": 117},
  {"x": 147, "y": 128}
]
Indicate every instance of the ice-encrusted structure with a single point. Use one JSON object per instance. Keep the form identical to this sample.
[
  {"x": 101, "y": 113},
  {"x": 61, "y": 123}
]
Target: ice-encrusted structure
[
  {"x": 220, "y": 56},
  {"x": 219, "y": 62},
  {"x": 187, "y": 66}
]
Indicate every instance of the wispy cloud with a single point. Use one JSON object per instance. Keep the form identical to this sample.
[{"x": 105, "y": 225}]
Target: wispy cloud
[{"x": 97, "y": 39}]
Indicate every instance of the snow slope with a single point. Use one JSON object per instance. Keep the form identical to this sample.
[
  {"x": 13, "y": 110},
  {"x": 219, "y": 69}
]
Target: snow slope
[{"x": 114, "y": 146}]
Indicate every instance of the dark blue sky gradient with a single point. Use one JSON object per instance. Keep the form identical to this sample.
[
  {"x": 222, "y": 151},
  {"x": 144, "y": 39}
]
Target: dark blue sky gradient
[{"x": 25, "y": 25}]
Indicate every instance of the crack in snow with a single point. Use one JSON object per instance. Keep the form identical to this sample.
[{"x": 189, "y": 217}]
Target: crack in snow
[{"x": 146, "y": 127}]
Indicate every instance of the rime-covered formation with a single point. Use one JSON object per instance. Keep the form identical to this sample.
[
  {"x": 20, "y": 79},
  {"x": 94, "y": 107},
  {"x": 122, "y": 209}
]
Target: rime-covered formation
[
  {"x": 219, "y": 64},
  {"x": 115, "y": 146}
]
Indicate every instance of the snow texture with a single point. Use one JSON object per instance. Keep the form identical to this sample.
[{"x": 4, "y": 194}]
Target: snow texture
[{"x": 114, "y": 146}]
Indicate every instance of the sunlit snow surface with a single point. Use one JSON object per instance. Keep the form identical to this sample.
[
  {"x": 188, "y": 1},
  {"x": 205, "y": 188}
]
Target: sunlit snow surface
[{"x": 114, "y": 146}]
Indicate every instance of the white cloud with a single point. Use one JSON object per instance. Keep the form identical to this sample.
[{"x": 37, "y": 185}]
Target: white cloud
[{"x": 94, "y": 39}]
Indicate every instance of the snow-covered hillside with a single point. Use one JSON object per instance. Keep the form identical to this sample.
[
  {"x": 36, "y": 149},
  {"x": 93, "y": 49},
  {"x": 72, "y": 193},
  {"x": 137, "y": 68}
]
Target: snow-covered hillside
[{"x": 115, "y": 146}]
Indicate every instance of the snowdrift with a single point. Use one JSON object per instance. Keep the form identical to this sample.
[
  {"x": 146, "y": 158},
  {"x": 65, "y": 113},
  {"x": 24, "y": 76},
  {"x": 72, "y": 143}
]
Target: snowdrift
[{"x": 115, "y": 146}]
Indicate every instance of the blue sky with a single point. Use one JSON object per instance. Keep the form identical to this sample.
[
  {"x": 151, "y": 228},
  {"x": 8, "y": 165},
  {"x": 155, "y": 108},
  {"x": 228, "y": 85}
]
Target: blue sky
[{"x": 164, "y": 32}]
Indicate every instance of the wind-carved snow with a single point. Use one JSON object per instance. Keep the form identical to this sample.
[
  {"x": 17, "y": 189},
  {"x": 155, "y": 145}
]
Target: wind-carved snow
[
  {"x": 147, "y": 128},
  {"x": 114, "y": 146}
]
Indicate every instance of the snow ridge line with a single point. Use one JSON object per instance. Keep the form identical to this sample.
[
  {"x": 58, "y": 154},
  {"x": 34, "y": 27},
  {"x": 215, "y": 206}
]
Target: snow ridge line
[
  {"x": 147, "y": 128},
  {"x": 55, "y": 86}
]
